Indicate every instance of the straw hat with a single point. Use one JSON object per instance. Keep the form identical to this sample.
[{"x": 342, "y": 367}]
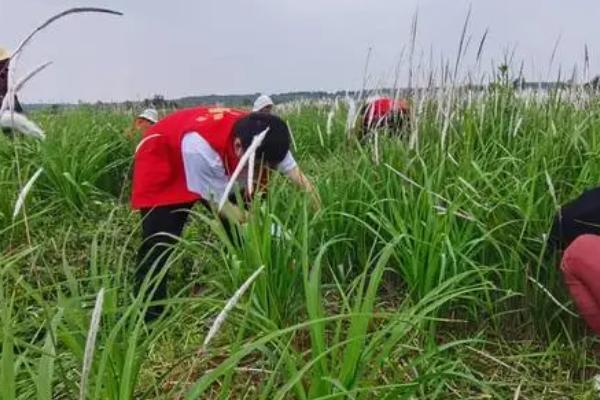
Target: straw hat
[{"x": 4, "y": 54}]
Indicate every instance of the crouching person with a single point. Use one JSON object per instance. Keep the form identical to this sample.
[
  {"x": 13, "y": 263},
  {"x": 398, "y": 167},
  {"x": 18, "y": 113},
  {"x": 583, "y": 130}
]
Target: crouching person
[
  {"x": 188, "y": 157},
  {"x": 575, "y": 232},
  {"x": 142, "y": 122},
  {"x": 383, "y": 113},
  {"x": 14, "y": 118}
]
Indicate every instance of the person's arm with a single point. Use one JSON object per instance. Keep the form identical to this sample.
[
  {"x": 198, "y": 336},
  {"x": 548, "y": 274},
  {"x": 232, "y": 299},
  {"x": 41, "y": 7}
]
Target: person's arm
[
  {"x": 302, "y": 181},
  {"x": 206, "y": 176},
  {"x": 290, "y": 168}
]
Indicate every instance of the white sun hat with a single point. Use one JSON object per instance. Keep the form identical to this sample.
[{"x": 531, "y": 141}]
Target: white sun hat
[
  {"x": 261, "y": 102},
  {"x": 149, "y": 114}
]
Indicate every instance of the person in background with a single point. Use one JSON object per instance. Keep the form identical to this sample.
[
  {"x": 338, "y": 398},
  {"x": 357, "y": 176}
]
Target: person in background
[
  {"x": 4, "y": 63},
  {"x": 143, "y": 122},
  {"x": 383, "y": 112},
  {"x": 576, "y": 233},
  {"x": 187, "y": 158},
  {"x": 17, "y": 120},
  {"x": 263, "y": 104}
]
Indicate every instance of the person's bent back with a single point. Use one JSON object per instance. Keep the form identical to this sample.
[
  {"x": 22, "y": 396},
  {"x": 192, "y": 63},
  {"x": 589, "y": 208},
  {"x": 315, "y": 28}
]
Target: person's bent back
[{"x": 383, "y": 113}]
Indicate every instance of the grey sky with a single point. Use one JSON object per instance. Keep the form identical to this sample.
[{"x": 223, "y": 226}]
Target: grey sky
[{"x": 186, "y": 47}]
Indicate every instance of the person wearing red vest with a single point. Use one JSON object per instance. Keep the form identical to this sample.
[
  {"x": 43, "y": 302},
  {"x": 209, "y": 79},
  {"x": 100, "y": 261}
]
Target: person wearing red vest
[
  {"x": 188, "y": 157},
  {"x": 380, "y": 112},
  {"x": 142, "y": 122}
]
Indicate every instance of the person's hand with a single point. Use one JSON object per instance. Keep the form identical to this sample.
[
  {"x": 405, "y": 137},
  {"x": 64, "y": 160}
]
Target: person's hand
[
  {"x": 305, "y": 183},
  {"x": 315, "y": 200},
  {"x": 234, "y": 213}
]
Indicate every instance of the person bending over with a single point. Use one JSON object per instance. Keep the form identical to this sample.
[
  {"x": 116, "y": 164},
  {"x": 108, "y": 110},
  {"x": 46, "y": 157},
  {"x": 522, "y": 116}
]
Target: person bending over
[
  {"x": 143, "y": 122},
  {"x": 263, "y": 104},
  {"x": 383, "y": 113},
  {"x": 576, "y": 233},
  {"x": 188, "y": 157}
]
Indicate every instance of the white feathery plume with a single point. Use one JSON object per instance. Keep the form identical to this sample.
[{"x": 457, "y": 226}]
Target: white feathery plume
[
  {"x": 21, "y": 123},
  {"x": 552, "y": 190},
  {"x": 23, "y": 194},
  {"x": 351, "y": 114},
  {"x": 291, "y": 136},
  {"x": 596, "y": 381},
  {"x": 31, "y": 74},
  {"x": 250, "y": 183},
  {"x": 414, "y": 135},
  {"x": 376, "y": 133},
  {"x": 256, "y": 142},
  {"x": 76, "y": 10},
  {"x": 90, "y": 343},
  {"x": 320, "y": 136},
  {"x": 214, "y": 329},
  {"x": 371, "y": 115},
  {"x": 517, "y": 394},
  {"x": 24, "y": 125},
  {"x": 8, "y": 102},
  {"x": 517, "y": 126},
  {"x": 330, "y": 121},
  {"x": 15, "y": 55}
]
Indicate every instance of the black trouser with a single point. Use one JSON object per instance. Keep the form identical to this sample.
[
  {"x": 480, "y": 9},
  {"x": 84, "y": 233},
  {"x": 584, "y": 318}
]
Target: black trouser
[
  {"x": 161, "y": 228},
  {"x": 576, "y": 218}
]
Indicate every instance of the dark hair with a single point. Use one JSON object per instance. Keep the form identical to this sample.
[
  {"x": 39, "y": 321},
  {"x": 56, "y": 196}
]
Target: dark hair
[{"x": 276, "y": 143}]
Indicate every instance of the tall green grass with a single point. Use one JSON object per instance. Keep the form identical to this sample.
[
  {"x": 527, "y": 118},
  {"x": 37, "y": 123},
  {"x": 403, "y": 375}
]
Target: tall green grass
[{"x": 424, "y": 275}]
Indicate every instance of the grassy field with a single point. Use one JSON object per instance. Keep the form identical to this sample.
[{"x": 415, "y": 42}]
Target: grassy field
[{"x": 423, "y": 276}]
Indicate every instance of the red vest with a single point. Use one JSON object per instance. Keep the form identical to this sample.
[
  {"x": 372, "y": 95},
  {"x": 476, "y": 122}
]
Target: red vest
[
  {"x": 382, "y": 107},
  {"x": 158, "y": 172}
]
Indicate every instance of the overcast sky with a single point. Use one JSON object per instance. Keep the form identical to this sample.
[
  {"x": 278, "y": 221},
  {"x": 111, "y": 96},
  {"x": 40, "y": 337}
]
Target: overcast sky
[{"x": 185, "y": 47}]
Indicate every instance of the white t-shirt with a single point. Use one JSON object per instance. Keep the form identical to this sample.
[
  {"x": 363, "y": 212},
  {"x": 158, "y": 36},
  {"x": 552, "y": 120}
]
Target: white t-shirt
[{"x": 204, "y": 170}]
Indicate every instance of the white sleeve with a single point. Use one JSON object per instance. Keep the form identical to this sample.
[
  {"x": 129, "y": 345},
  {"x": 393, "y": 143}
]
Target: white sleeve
[
  {"x": 287, "y": 164},
  {"x": 204, "y": 170}
]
